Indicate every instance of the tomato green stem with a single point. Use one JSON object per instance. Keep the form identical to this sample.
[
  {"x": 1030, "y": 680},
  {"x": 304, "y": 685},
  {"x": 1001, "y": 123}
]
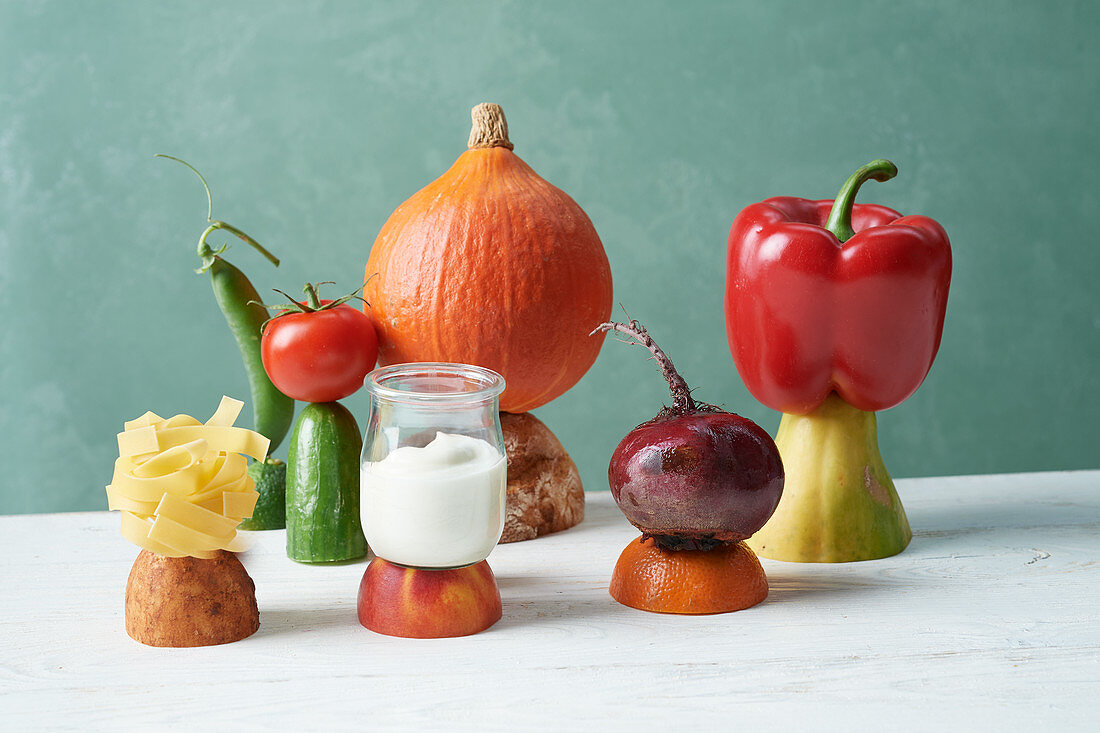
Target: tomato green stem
[
  {"x": 313, "y": 301},
  {"x": 840, "y": 217},
  {"x": 311, "y": 292},
  {"x": 311, "y": 305}
]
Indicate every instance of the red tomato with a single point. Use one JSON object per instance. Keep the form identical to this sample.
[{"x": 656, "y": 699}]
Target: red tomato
[{"x": 321, "y": 356}]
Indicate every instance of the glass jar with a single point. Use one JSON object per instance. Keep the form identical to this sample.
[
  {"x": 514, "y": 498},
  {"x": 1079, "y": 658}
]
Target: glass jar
[{"x": 433, "y": 472}]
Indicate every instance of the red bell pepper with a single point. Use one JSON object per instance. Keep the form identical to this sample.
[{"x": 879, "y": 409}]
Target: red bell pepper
[
  {"x": 834, "y": 312},
  {"x": 824, "y": 296}
]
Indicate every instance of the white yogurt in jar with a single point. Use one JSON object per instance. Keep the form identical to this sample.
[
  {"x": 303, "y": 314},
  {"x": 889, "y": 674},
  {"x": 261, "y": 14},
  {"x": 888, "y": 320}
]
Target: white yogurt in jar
[{"x": 440, "y": 506}]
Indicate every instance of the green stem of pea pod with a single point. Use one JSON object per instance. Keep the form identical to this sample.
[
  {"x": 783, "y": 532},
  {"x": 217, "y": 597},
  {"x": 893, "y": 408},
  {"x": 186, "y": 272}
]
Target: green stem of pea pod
[
  {"x": 239, "y": 303},
  {"x": 206, "y": 253}
]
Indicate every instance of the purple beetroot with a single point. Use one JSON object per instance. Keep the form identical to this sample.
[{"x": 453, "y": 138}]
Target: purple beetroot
[{"x": 694, "y": 476}]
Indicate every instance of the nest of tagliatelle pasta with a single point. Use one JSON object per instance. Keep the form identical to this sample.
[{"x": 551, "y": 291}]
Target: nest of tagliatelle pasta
[{"x": 182, "y": 488}]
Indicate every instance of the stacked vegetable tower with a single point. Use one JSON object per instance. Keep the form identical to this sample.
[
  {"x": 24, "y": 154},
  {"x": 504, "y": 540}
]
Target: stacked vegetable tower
[
  {"x": 182, "y": 488},
  {"x": 318, "y": 351},
  {"x": 313, "y": 350},
  {"x": 433, "y": 496},
  {"x": 697, "y": 481},
  {"x": 834, "y": 311},
  {"x": 491, "y": 265},
  {"x": 240, "y": 305}
]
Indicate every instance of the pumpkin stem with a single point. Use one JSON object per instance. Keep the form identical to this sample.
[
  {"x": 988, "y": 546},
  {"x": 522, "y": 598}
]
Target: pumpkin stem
[{"x": 490, "y": 129}]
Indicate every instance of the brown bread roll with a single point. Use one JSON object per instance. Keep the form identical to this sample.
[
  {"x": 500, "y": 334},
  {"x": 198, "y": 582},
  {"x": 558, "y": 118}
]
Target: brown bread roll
[{"x": 544, "y": 488}]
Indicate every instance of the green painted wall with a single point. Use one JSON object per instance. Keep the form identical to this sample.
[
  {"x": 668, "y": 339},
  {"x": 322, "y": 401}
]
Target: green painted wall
[{"x": 313, "y": 121}]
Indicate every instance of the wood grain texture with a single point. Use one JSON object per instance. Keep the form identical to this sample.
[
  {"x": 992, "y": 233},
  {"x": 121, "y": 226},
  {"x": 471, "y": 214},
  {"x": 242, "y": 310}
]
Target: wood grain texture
[{"x": 989, "y": 620}]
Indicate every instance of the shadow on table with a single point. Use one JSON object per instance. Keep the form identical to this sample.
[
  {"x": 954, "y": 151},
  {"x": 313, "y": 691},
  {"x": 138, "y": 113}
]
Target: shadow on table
[
  {"x": 784, "y": 588},
  {"x": 519, "y": 582},
  {"x": 550, "y": 612},
  {"x": 298, "y": 620},
  {"x": 527, "y": 602},
  {"x": 599, "y": 607}
]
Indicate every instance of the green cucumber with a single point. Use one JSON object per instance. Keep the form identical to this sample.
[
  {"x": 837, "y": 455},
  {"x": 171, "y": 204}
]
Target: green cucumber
[
  {"x": 270, "y": 479},
  {"x": 322, "y": 486}
]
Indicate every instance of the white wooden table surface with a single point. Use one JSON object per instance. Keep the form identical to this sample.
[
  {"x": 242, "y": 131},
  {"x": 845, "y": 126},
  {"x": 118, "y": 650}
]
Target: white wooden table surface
[{"x": 988, "y": 621}]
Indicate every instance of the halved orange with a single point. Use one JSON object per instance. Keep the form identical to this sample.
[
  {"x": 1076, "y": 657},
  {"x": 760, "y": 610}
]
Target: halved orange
[{"x": 651, "y": 578}]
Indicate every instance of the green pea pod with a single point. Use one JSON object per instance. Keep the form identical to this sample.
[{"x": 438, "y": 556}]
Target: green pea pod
[{"x": 240, "y": 304}]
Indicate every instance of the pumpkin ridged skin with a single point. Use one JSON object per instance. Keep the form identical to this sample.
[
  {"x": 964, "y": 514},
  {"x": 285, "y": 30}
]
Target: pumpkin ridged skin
[{"x": 494, "y": 266}]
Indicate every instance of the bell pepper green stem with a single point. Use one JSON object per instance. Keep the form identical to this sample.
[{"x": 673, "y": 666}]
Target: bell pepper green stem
[{"x": 840, "y": 217}]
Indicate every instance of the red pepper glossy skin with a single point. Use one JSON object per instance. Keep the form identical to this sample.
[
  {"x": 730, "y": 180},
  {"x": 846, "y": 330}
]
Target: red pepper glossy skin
[{"x": 807, "y": 315}]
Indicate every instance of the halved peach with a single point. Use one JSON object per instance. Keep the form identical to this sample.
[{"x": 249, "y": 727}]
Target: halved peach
[{"x": 428, "y": 604}]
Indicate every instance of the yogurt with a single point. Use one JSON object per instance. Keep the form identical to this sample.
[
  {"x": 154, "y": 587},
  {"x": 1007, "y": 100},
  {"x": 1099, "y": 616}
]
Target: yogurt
[{"x": 440, "y": 506}]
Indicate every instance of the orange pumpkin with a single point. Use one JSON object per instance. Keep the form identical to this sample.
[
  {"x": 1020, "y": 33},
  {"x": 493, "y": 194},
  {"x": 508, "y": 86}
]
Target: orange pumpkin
[{"x": 491, "y": 265}]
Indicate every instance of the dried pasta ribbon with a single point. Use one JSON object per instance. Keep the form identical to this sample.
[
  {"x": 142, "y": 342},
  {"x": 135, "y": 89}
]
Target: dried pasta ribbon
[{"x": 182, "y": 486}]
